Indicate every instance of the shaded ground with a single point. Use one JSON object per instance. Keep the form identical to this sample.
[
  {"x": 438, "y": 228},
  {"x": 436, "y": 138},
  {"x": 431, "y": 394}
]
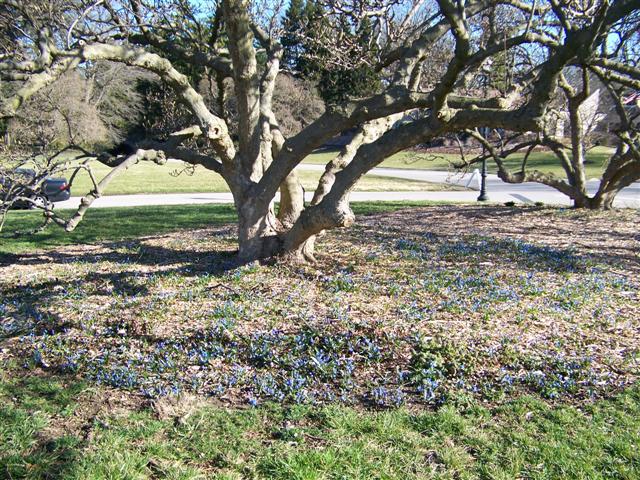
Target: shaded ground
[
  {"x": 410, "y": 307},
  {"x": 461, "y": 309},
  {"x": 609, "y": 237}
]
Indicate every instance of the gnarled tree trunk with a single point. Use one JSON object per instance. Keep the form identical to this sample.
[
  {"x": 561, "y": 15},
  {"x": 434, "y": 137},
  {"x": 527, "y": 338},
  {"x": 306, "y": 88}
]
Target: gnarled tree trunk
[{"x": 250, "y": 152}]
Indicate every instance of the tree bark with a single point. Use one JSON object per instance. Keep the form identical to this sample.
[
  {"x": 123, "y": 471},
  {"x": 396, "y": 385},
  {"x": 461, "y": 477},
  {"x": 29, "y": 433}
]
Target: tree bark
[
  {"x": 257, "y": 159},
  {"x": 257, "y": 232},
  {"x": 262, "y": 236}
]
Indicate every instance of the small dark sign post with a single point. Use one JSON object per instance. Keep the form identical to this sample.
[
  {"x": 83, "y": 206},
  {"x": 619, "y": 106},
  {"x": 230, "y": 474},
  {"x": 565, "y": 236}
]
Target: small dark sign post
[{"x": 483, "y": 197}]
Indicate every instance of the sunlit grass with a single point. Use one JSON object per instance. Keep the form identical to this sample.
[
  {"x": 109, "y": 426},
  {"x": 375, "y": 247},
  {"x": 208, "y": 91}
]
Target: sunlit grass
[
  {"x": 525, "y": 438},
  {"x": 172, "y": 178},
  {"x": 102, "y": 224},
  {"x": 544, "y": 161}
]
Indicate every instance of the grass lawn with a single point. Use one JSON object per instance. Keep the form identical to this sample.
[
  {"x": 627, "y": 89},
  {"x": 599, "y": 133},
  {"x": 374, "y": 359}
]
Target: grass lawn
[
  {"x": 443, "y": 341},
  {"x": 150, "y": 178},
  {"x": 543, "y": 161},
  {"x": 114, "y": 224},
  {"x": 524, "y": 438}
]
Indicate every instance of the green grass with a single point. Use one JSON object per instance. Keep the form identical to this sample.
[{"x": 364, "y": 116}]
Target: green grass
[
  {"x": 523, "y": 438},
  {"x": 543, "y": 161},
  {"x": 58, "y": 426},
  {"x": 113, "y": 224},
  {"x": 150, "y": 178}
]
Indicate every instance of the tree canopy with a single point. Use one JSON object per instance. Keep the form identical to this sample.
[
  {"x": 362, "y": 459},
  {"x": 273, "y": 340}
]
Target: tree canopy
[{"x": 457, "y": 66}]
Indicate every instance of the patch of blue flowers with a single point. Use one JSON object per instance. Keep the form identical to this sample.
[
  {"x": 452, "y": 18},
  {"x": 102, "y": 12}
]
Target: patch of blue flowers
[
  {"x": 311, "y": 366},
  {"x": 342, "y": 281},
  {"x": 305, "y": 366},
  {"x": 555, "y": 375},
  {"x": 541, "y": 257},
  {"x": 329, "y": 345}
]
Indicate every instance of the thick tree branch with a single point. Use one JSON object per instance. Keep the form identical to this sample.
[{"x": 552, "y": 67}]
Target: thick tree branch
[{"x": 214, "y": 128}]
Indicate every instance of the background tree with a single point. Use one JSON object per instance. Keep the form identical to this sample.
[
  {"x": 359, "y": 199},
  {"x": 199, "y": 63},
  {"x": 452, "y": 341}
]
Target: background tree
[
  {"x": 293, "y": 34},
  {"x": 587, "y": 93},
  {"x": 258, "y": 160},
  {"x": 93, "y": 107},
  {"x": 337, "y": 51},
  {"x": 296, "y": 104},
  {"x": 580, "y": 116}
]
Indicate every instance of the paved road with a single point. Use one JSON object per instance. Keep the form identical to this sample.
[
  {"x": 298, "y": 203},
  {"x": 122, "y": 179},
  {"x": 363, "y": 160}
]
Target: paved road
[
  {"x": 497, "y": 189},
  {"x": 500, "y": 191}
]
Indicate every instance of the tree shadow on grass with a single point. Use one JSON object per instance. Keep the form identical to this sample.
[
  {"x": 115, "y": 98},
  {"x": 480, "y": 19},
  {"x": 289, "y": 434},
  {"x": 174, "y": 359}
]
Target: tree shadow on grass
[
  {"x": 535, "y": 238},
  {"x": 130, "y": 251},
  {"x": 130, "y": 278},
  {"x": 50, "y": 458},
  {"x": 111, "y": 224}
]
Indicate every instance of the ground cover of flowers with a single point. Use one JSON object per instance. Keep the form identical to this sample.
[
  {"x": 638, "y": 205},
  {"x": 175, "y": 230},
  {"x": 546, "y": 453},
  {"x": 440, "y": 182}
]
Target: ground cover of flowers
[{"x": 415, "y": 307}]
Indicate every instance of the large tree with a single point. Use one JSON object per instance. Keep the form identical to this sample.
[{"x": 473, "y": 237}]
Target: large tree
[{"x": 235, "y": 41}]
